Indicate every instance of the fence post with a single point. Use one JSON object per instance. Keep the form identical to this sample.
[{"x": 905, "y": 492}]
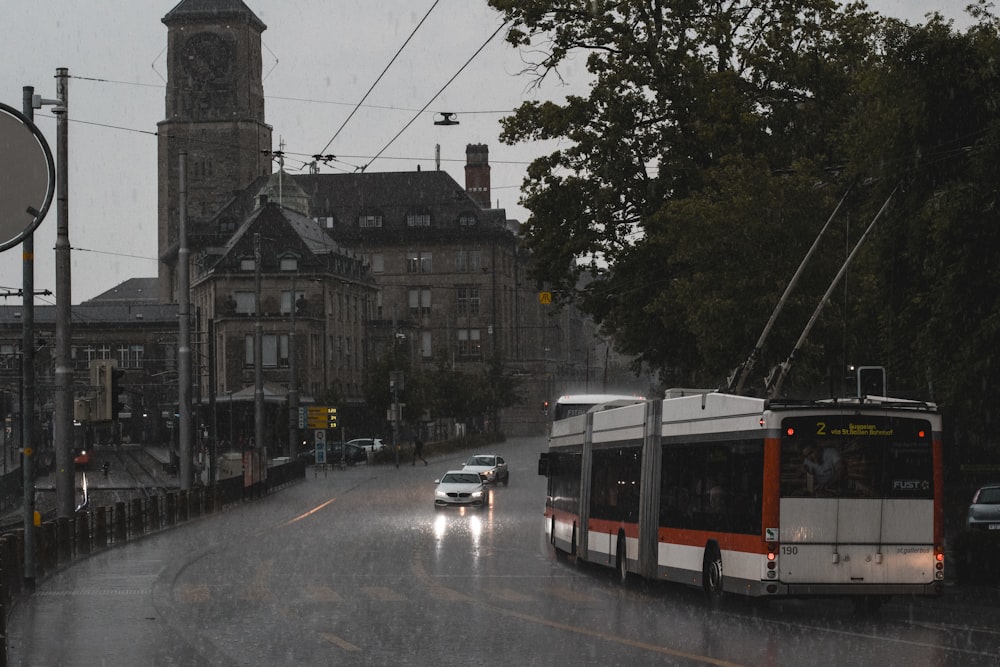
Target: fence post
[
  {"x": 101, "y": 528},
  {"x": 119, "y": 522},
  {"x": 136, "y": 517},
  {"x": 171, "y": 508},
  {"x": 83, "y": 533},
  {"x": 153, "y": 508},
  {"x": 64, "y": 539}
]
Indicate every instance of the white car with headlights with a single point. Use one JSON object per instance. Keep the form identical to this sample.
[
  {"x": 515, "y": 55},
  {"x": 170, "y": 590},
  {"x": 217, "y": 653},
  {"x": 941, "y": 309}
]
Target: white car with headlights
[
  {"x": 492, "y": 468},
  {"x": 461, "y": 487}
]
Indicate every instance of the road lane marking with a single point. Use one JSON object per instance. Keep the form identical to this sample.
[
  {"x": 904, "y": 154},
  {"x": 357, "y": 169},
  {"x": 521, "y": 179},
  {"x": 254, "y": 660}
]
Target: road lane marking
[
  {"x": 305, "y": 514},
  {"x": 342, "y": 643}
]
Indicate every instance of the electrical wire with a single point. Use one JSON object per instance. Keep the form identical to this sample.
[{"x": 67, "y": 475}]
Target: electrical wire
[
  {"x": 370, "y": 89},
  {"x": 436, "y": 95}
]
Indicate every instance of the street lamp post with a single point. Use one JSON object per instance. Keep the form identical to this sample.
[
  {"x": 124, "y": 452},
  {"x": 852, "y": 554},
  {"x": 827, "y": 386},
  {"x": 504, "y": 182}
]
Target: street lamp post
[{"x": 293, "y": 389}]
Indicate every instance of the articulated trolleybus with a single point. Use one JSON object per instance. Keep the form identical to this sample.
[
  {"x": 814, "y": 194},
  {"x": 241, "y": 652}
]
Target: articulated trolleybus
[{"x": 753, "y": 496}]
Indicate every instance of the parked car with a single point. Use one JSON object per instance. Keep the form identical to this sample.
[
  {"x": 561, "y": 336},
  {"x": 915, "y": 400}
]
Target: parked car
[
  {"x": 492, "y": 468},
  {"x": 373, "y": 445},
  {"x": 984, "y": 511},
  {"x": 461, "y": 487},
  {"x": 351, "y": 454}
]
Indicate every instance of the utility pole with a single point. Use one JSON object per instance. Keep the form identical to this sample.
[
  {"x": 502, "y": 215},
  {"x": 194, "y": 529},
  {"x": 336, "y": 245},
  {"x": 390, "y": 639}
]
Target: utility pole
[
  {"x": 293, "y": 387},
  {"x": 28, "y": 382},
  {"x": 62, "y": 423},
  {"x": 184, "y": 350},
  {"x": 258, "y": 354}
]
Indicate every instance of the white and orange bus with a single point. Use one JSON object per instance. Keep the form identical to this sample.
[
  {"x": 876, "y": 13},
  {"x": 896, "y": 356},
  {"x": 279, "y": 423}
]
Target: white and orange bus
[{"x": 753, "y": 496}]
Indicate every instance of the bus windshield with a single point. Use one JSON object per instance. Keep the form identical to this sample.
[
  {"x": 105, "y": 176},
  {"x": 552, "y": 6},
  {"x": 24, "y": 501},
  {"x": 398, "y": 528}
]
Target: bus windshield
[{"x": 843, "y": 456}]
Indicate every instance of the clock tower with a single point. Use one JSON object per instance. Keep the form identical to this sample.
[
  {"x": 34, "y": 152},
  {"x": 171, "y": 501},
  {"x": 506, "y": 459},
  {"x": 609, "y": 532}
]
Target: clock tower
[{"x": 214, "y": 112}]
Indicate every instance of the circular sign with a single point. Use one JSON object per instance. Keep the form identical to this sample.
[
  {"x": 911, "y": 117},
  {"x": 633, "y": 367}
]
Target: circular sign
[{"x": 27, "y": 177}]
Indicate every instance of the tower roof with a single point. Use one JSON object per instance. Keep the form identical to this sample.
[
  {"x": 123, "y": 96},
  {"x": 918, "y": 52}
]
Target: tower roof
[{"x": 208, "y": 10}]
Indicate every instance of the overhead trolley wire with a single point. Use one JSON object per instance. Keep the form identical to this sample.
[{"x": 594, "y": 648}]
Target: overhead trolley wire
[
  {"x": 436, "y": 95},
  {"x": 391, "y": 61}
]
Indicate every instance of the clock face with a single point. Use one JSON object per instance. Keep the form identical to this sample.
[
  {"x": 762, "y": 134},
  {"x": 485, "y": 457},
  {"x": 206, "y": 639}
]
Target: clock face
[{"x": 207, "y": 56}]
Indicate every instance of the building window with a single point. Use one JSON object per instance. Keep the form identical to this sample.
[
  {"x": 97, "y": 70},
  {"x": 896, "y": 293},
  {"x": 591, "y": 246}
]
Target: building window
[
  {"x": 425, "y": 345},
  {"x": 420, "y": 301},
  {"x": 369, "y": 221},
  {"x": 244, "y": 302},
  {"x": 468, "y": 261},
  {"x": 419, "y": 262},
  {"x": 247, "y": 264},
  {"x": 377, "y": 262},
  {"x": 289, "y": 264},
  {"x": 467, "y": 220},
  {"x": 468, "y": 344},
  {"x": 274, "y": 350},
  {"x": 467, "y": 300},
  {"x": 130, "y": 356},
  {"x": 9, "y": 354},
  {"x": 418, "y": 219},
  {"x": 286, "y": 301}
]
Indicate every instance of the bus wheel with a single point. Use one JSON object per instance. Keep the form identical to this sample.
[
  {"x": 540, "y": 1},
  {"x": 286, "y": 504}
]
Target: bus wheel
[
  {"x": 711, "y": 580},
  {"x": 622, "y": 562}
]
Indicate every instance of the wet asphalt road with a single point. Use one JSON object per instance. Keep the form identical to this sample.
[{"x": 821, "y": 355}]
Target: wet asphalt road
[{"x": 357, "y": 567}]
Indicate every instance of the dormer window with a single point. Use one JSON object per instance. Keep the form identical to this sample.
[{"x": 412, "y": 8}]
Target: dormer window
[
  {"x": 418, "y": 219},
  {"x": 289, "y": 264},
  {"x": 247, "y": 264},
  {"x": 369, "y": 220}
]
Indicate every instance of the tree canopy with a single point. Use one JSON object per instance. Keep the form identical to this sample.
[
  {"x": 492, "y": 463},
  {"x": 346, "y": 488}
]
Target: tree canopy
[{"x": 716, "y": 140}]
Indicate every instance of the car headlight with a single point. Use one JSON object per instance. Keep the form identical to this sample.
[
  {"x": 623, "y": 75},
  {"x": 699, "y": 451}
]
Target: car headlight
[
  {"x": 440, "y": 494},
  {"x": 477, "y": 494}
]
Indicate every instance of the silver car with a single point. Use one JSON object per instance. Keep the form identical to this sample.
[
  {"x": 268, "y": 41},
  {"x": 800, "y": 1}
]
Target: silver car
[
  {"x": 492, "y": 468},
  {"x": 984, "y": 511},
  {"x": 460, "y": 487}
]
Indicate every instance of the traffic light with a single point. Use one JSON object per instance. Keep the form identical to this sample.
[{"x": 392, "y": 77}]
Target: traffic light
[
  {"x": 545, "y": 407},
  {"x": 116, "y": 390}
]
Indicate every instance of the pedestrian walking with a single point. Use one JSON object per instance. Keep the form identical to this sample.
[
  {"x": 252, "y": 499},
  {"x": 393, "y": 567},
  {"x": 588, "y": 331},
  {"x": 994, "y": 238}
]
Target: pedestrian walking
[{"x": 418, "y": 450}]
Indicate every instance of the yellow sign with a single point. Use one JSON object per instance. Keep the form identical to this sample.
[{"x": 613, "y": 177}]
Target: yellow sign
[
  {"x": 321, "y": 417},
  {"x": 545, "y": 298}
]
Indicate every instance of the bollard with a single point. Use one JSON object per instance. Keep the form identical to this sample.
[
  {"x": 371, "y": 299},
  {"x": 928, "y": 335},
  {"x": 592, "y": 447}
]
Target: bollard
[
  {"x": 120, "y": 525},
  {"x": 83, "y": 533}
]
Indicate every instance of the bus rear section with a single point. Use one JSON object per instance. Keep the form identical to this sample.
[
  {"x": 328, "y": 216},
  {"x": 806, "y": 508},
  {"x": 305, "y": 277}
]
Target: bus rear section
[{"x": 860, "y": 505}]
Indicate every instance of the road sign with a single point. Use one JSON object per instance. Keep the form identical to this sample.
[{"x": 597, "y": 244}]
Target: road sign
[
  {"x": 321, "y": 417},
  {"x": 27, "y": 177},
  {"x": 320, "y": 440}
]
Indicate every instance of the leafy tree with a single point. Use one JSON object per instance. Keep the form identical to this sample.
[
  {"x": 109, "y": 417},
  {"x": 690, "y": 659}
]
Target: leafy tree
[
  {"x": 715, "y": 140},
  {"x": 694, "y": 110}
]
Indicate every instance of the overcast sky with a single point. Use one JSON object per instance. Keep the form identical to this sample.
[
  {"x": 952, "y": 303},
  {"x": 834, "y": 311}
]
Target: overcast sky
[{"x": 320, "y": 57}]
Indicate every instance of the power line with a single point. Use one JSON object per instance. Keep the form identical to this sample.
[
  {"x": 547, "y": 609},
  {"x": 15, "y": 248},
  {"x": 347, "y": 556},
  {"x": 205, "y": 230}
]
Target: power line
[
  {"x": 447, "y": 83},
  {"x": 370, "y": 89}
]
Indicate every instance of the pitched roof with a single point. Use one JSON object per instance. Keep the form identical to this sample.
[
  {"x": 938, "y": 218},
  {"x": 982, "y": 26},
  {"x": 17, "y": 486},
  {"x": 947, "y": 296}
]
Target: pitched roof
[{"x": 133, "y": 290}]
